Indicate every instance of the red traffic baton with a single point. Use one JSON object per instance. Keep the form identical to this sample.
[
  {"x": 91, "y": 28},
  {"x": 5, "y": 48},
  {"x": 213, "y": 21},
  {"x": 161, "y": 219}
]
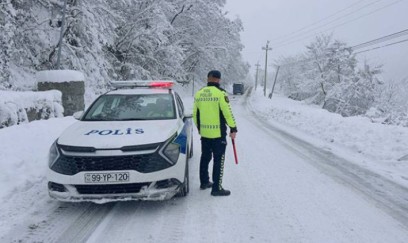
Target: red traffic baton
[{"x": 235, "y": 151}]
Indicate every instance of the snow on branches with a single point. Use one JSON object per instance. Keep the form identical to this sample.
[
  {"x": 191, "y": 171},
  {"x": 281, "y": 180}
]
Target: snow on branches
[{"x": 122, "y": 39}]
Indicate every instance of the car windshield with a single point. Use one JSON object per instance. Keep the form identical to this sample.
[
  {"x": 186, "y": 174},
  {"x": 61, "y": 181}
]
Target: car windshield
[{"x": 132, "y": 107}]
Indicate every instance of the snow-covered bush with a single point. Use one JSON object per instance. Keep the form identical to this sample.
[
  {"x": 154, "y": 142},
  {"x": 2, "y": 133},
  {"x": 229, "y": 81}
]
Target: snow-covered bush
[
  {"x": 22, "y": 107},
  {"x": 391, "y": 104}
]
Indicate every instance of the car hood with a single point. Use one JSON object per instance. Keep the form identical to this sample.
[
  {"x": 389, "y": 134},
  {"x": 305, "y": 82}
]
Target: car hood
[{"x": 112, "y": 135}]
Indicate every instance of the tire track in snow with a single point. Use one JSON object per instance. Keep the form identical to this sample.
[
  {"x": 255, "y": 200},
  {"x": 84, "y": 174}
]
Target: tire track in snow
[
  {"x": 255, "y": 193},
  {"x": 69, "y": 223},
  {"x": 83, "y": 227},
  {"x": 386, "y": 194},
  {"x": 46, "y": 220},
  {"x": 172, "y": 231},
  {"x": 161, "y": 221},
  {"x": 175, "y": 220},
  {"x": 200, "y": 208}
]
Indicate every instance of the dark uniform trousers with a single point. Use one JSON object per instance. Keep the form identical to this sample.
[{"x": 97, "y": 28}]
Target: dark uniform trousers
[{"x": 212, "y": 147}]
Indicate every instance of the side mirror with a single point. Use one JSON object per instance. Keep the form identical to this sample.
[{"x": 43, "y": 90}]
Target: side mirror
[
  {"x": 77, "y": 115},
  {"x": 188, "y": 115}
]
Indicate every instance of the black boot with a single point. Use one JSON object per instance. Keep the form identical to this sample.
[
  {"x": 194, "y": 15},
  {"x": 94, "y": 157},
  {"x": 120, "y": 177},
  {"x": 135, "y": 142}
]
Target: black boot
[
  {"x": 206, "y": 185},
  {"x": 221, "y": 192}
]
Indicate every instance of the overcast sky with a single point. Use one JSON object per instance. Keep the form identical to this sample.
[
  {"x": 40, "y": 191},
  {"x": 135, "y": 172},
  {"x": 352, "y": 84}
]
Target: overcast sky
[{"x": 284, "y": 23}]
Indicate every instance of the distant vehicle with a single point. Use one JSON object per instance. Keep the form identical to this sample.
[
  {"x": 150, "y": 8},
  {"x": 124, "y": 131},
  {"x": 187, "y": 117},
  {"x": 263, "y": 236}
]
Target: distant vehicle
[
  {"x": 238, "y": 88},
  {"x": 131, "y": 144}
]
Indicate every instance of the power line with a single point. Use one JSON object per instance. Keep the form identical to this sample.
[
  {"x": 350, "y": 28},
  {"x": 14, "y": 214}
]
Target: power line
[
  {"x": 381, "y": 39},
  {"x": 319, "y": 21},
  {"x": 379, "y": 47},
  {"x": 326, "y": 24},
  {"x": 344, "y": 23},
  {"x": 364, "y": 45},
  {"x": 359, "y": 46}
]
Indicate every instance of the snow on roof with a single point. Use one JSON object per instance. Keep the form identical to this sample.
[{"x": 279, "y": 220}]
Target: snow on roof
[{"x": 60, "y": 76}]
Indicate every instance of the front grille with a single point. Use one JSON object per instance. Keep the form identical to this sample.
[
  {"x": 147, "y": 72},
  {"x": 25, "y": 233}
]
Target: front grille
[
  {"x": 111, "y": 189},
  {"x": 146, "y": 163}
]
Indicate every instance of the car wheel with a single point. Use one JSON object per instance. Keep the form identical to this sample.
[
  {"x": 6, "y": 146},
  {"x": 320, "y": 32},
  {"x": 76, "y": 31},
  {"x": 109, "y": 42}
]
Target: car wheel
[{"x": 185, "y": 188}]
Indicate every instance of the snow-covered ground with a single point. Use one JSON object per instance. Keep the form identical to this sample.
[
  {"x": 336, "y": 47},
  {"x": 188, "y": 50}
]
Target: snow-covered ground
[
  {"x": 382, "y": 148},
  {"x": 281, "y": 191},
  {"x": 24, "y": 152}
]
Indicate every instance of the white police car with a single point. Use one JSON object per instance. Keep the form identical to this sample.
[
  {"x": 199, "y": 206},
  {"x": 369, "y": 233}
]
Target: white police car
[{"x": 130, "y": 144}]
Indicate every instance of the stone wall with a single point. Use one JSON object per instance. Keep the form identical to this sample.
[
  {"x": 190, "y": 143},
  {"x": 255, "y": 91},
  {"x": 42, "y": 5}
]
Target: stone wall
[
  {"x": 72, "y": 94},
  {"x": 70, "y": 83}
]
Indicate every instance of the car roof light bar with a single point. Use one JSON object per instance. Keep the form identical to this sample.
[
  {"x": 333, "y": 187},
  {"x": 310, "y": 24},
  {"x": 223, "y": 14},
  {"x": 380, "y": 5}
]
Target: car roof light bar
[{"x": 143, "y": 84}]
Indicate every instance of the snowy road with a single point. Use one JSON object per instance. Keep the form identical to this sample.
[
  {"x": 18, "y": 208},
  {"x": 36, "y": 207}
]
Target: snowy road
[{"x": 283, "y": 190}]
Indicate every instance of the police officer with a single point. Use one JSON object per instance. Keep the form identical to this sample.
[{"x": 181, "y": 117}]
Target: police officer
[{"x": 212, "y": 114}]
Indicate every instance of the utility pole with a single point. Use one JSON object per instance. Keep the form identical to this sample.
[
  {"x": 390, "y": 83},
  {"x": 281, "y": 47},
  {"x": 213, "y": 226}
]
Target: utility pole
[
  {"x": 266, "y": 49},
  {"x": 61, "y": 34},
  {"x": 256, "y": 75},
  {"x": 274, "y": 82}
]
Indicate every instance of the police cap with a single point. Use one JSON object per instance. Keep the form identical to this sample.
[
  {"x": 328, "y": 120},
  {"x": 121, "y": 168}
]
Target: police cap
[{"x": 214, "y": 74}]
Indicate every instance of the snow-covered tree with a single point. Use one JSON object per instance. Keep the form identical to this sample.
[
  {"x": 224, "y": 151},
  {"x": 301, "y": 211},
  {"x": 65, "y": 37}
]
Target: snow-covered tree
[
  {"x": 7, "y": 29},
  {"x": 333, "y": 61},
  {"x": 210, "y": 40},
  {"x": 297, "y": 77},
  {"x": 122, "y": 39},
  {"x": 391, "y": 104},
  {"x": 327, "y": 73}
]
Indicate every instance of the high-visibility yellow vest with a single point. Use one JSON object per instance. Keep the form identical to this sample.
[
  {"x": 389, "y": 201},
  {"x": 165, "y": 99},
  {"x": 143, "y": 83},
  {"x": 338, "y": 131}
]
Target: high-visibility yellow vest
[{"x": 212, "y": 112}]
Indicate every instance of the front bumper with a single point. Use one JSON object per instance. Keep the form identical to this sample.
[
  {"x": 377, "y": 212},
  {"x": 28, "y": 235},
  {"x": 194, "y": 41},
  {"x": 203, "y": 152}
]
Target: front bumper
[
  {"x": 140, "y": 186},
  {"x": 151, "y": 191}
]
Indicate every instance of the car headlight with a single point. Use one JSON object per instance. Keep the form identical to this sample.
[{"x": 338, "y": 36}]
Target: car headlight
[
  {"x": 171, "y": 150},
  {"x": 53, "y": 154}
]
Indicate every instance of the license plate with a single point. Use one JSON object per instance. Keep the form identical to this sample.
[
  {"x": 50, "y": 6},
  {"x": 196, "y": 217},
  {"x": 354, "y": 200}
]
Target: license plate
[{"x": 106, "y": 177}]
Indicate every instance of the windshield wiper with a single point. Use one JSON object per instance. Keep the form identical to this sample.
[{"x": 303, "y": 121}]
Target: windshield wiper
[
  {"x": 127, "y": 119},
  {"x": 132, "y": 119},
  {"x": 94, "y": 120}
]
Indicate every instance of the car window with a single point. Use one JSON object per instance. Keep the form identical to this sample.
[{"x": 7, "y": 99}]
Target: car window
[
  {"x": 180, "y": 105},
  {"x": 132, "y": 107}
]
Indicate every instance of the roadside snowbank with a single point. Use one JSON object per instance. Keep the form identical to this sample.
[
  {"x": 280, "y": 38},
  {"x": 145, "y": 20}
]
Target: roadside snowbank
[
  {"x": 24, "y": 151},
  {"x": 383, "y": 148},
  {"x": 22, "y": 107}
]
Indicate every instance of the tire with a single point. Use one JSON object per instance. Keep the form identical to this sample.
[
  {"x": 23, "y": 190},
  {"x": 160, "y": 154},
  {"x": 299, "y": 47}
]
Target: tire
[{"x": 185, "y": 188}]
